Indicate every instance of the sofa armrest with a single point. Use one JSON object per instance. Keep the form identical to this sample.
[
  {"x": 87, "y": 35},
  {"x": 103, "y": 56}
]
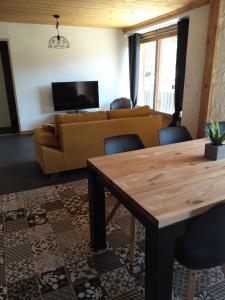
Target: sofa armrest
[
  {"x": 46, "y": 138},
  {"x": 50, "y": 159}
]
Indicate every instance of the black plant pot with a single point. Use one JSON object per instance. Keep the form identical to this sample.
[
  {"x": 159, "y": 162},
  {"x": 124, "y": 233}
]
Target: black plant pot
[{"x": 215, "y": 152}]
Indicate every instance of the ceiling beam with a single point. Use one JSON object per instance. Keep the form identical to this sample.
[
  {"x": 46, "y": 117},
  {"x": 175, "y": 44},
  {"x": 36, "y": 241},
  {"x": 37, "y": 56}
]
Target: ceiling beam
[
  {"x": 209, "y": 64},
  {"x": 166, "y": 17}
]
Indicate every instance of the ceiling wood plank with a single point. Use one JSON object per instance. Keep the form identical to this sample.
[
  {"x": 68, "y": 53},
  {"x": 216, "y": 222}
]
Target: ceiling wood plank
[
  {"x": 89, "y": 13},
  {"x": 167, "y": 16}
]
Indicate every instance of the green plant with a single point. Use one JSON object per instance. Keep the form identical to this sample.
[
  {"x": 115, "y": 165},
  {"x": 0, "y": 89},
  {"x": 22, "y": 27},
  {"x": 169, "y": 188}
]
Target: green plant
[{"x": 213, "y": 132}]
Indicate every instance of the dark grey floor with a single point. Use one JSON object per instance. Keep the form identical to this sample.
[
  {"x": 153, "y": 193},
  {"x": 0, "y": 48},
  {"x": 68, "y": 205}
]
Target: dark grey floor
[{"x": 19, "y": 170}]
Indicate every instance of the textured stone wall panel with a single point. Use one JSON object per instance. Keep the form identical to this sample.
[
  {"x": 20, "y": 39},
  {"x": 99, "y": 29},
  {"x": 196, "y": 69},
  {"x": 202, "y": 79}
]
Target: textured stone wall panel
[{"x": 217, "y": 108}]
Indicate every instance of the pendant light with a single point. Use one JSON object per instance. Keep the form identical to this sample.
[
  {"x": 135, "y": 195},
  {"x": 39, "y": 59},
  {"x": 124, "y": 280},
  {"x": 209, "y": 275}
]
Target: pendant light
[{"x": 58, "y": 41}]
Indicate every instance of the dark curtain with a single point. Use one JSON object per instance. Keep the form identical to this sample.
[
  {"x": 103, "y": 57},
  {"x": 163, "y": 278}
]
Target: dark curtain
[
  {"x": 182, "y": 39},
  {"x": 134, "y": 58}
]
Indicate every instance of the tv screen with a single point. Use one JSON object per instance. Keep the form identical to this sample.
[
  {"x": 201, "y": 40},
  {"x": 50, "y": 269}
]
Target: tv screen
[{"x": 75, "y": 95}]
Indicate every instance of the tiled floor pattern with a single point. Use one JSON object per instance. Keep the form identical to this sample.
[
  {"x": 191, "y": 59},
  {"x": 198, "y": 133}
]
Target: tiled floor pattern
[{"x": 45, "y": 251}]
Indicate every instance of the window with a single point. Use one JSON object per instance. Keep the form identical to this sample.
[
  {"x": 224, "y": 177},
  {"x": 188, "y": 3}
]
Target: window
[{"x": 157, "y": 74}]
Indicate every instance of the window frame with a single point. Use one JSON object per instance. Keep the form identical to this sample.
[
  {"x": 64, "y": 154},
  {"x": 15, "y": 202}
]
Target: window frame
[{"x": 156, "y": 36}]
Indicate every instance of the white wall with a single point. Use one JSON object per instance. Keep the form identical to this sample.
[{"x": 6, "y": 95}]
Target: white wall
[
  {"x": 94, "y": 54},
  {"x": 217, "y": 107},
  {"x": 4, "y": 107},
  {"x": 198, "y": 27}
]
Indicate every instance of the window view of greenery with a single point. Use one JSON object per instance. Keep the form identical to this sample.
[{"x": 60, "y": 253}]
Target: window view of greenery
[{"x": 157, "y": 74}]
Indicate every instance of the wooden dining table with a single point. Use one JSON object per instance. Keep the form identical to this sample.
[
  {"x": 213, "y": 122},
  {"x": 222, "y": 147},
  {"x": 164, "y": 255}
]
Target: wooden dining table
[{"x": 163, "y": 187}]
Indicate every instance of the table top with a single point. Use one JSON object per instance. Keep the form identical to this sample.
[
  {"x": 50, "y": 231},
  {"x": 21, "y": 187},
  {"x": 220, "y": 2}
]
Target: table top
[{"x": 169, "y": 183}]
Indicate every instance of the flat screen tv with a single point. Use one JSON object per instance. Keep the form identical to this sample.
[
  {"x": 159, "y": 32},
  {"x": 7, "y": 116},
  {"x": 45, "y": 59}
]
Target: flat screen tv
[{"x": 75, "y": 95}]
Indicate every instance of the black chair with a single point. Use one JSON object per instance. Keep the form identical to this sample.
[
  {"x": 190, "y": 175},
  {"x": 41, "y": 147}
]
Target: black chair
[
  {"x": 221, "y": 125},
  {"x": 122, "y": 143},
  {"x": 121, "y": 103},
  {"x": 203, "y": 246},
  {"x": 172, "y": 135},
  {"x": 118, "y": 144}
]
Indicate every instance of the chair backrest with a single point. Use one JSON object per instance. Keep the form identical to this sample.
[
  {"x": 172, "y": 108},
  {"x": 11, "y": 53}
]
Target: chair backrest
[
  {"x": 222, "y": 126},
  {"x": 172, "y": 135},
  {"x": 121, "y": 103},
  {"x": 205, "y": 239},
  {"x": 122, "y": 143}
]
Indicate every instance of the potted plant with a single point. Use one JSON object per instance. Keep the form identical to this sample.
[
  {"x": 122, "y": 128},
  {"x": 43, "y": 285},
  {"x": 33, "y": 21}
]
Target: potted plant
[{"x": 215, "y": 150}]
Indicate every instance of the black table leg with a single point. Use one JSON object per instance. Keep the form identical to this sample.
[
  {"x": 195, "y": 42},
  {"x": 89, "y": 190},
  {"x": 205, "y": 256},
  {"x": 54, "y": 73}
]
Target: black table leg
[
  {"x": 96, "y": 211},
  {"x": 159, "y": 259}
]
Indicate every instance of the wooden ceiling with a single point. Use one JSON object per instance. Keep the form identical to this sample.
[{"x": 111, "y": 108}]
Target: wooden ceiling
[{"x": 91, "y": 13}]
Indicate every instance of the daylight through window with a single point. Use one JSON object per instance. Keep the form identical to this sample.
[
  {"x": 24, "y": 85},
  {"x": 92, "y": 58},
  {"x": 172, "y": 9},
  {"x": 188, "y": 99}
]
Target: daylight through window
[{"x": 157, "y": 74}]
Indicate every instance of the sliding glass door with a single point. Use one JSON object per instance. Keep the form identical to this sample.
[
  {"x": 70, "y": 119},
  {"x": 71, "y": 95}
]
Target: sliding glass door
[{"x": 157, "y": 74}]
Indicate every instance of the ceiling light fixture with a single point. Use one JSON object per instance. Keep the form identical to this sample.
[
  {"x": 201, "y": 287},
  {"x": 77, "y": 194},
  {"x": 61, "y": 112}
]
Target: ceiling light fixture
[{"x": 58, "y": 41}]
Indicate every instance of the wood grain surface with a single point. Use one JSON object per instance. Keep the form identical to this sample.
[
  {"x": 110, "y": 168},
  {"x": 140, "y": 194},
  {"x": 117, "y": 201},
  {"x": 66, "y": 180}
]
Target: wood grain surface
[
  {"x": 170, "y": 183},
  {"x": 98, "y": 13}
]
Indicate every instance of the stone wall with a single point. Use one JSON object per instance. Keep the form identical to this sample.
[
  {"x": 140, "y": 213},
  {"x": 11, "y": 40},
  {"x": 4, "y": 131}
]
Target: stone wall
[{"x": 217, "y": 107}]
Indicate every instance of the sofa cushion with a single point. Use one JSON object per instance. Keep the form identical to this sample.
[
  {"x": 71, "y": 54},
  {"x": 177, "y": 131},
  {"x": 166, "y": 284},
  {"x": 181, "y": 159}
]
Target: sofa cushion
[
  {"x": 129, "y": 113},
  {"x": 47, "y": 138},
  {"x": 80, "y": 117}
]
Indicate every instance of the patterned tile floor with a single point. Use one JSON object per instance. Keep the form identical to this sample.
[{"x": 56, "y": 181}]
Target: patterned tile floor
[{"x": 45, "y": 252}]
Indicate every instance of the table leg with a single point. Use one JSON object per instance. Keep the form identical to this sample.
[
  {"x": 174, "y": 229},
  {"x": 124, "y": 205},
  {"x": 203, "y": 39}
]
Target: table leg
[
  {"x": 96, "y": 211},
  {"x": 159, "y": 259}
]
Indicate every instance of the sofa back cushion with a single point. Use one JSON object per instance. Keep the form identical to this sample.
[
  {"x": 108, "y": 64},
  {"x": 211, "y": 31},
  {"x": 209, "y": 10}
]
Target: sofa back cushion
[
  {"x": 129, "y": 113},
  {"x": 80, "y": 117}
]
